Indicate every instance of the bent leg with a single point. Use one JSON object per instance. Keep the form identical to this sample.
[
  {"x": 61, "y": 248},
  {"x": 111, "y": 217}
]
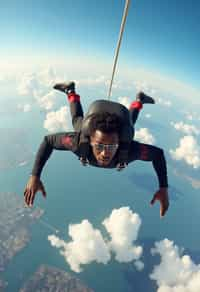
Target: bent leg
[
  {"x": 76, "y": 110},
  {"x": 136, "y": 106},
  {"x": 134, "y": 110}
]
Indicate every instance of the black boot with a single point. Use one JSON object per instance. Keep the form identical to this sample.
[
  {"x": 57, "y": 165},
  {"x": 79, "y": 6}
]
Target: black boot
[
  {"x": 65, "y": 87},
  {"x": 143, "y": 98}
]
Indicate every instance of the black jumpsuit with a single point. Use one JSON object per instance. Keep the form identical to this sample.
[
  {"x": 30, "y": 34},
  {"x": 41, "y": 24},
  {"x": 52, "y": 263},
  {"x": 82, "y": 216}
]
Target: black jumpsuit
[{"x": 69, "y": 141}]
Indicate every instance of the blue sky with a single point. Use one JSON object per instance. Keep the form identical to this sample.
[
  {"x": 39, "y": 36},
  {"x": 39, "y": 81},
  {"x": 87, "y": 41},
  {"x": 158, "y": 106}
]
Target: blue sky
[{"x": 159, "y": 35}]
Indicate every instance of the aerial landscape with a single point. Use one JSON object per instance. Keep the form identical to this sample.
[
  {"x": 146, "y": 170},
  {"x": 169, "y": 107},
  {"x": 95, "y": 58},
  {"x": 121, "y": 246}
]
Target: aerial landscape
[{"x": 69, "y": 220}]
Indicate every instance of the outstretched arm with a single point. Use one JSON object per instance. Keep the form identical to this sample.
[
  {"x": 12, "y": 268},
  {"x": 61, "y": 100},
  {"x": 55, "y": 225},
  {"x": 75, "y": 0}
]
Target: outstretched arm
[
  {"x": 154, "y": 154},
  {"x": 61, "y": 141}
]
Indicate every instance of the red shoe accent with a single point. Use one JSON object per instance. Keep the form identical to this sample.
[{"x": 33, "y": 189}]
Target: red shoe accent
[
  {"x": 136, "y": 104},
  {"x": 72, "y": 97}
]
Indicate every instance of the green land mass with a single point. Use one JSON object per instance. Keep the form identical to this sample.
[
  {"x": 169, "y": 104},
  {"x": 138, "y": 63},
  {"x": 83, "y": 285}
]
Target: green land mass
[
  {"x": 15, "y": 220},
  {"x": 51, "y": 279}
]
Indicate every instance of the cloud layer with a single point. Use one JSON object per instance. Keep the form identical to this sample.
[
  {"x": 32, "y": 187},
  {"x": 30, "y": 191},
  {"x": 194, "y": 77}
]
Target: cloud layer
[
  {"x": 88, "y": 245},
  {"x": 143, "y": 135},
  {"x": 186, "y": 128},
  {"x": 164, "y": 102},
  {"x": 176, "y": 272},
  {"x": 57, "y": 120},
  {"x": 188, "y": 150},
  {"x": 39, "y": 86},
  {"x": 47, "y": 101},
  {"x": 123, "y": 226}
]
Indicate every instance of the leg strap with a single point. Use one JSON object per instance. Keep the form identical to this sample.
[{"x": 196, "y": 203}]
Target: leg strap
[
  {"x": 73, "y": 97},
  {"x": 136, "y": 104}
]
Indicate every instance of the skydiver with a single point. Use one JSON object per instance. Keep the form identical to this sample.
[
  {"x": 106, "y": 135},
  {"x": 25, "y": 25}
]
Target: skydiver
[{"x": 104, "y": 143}]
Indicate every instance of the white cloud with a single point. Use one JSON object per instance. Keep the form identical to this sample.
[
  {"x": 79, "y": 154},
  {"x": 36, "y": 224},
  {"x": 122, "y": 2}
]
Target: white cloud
[
  {"x": 124, "y": 101},
  {"x": 176, "y": 272},
  {"x": 24, "y": 107},
  {"x": 188, "y": 150},
  {"x": 47, "y": 101},
  {"x": 144, "y": 86},
  {"x": 57, "y": 120},
  {"x": 39, "y": 86},
  {"x": 95, "y": 81},
  {"x": 28, "y": 85},
  {"x": 149, "y": 87},
  {"x": 164, "y": 102},
  {"x": 100, "y": 83},
  {"x": 36, "y": 84},
  {"x": 185, "y": 128},
  {"x": 143, "y": 135},
  {"x": 123, "y": 226},
  {"x": 191, "y": 116},
  {"x": 155, "y": 82},
  {"x": 160, "y": 85},
  {"x": 47, "y": 77},
  {"x": 87, "y": 245}
]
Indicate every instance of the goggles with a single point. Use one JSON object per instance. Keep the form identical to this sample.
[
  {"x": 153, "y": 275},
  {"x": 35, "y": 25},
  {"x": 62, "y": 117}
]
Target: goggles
[{"x": 101, "y": 147}]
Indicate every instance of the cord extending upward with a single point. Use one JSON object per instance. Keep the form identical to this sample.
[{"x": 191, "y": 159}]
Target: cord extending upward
[{"x": 119, "y": 43}]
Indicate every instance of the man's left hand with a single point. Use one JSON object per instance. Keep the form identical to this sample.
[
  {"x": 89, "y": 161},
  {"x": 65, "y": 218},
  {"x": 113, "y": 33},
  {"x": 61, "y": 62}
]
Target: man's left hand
[{"x": 162, "y": 196}]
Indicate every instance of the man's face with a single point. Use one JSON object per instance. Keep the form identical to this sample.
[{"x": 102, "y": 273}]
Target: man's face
[{"x": 104, "y": 146}]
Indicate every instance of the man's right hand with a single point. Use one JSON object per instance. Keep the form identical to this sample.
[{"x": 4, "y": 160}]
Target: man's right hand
[{"x": 33, "y": 186}]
